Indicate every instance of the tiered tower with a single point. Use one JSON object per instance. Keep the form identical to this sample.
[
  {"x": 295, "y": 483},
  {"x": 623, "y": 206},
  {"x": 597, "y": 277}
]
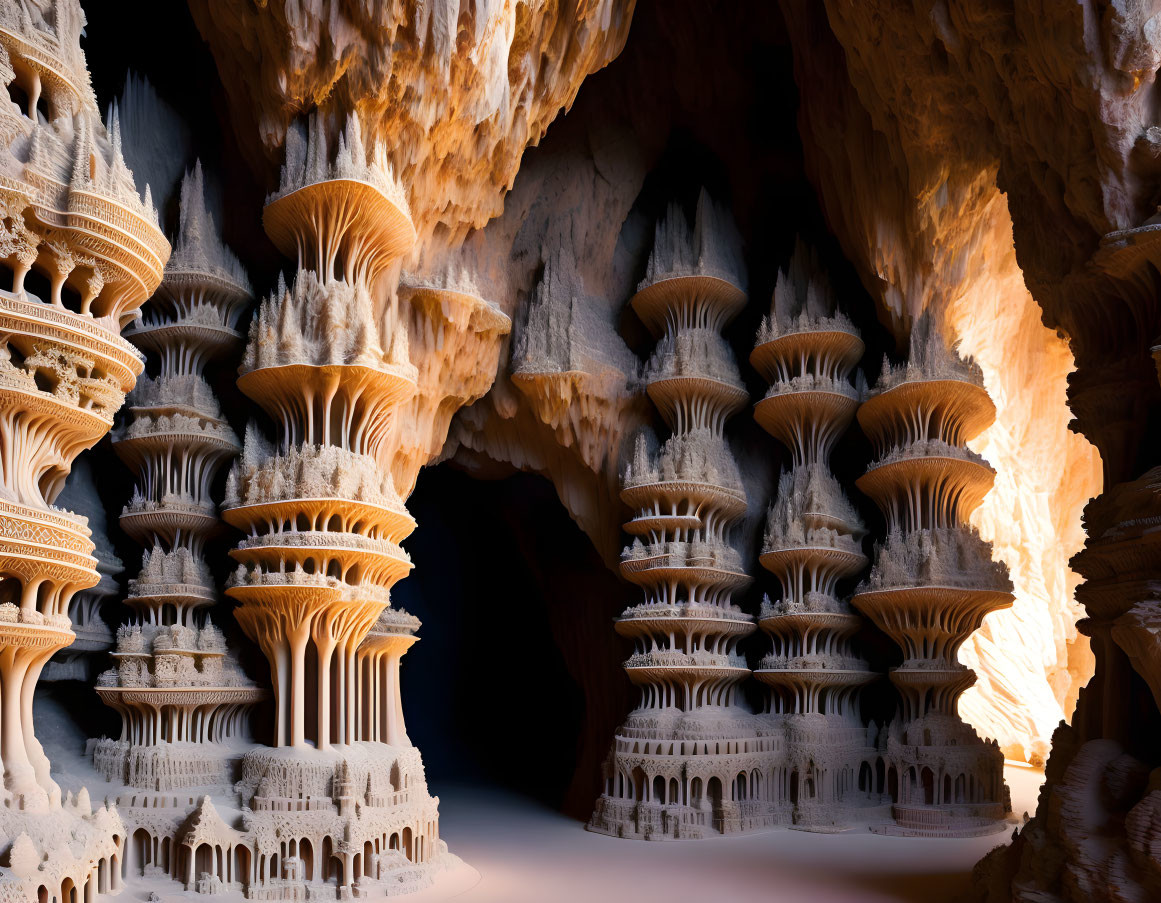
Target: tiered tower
[
  {"x": 328, "y": 360},
  {"x": 807, "y": 352},
  {"x": 69, "y": 211},
  {"x": 933, "y": 582},
  {"x": 688, "y": 759},
  {"x": 180, "y": 695}
]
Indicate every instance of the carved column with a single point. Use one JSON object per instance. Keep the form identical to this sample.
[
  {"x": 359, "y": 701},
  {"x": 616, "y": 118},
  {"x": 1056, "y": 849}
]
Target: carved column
[
  {"x": 807, "y": 351},
  {"x": 177, "y": 689},
  {"x": 933, "y": 581},
  {"x": 69, "y": 210}
]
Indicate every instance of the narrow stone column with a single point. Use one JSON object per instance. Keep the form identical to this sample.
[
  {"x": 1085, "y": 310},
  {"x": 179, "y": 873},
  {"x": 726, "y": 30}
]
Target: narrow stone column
[
  {"x": 170, "y": 657},
  {"x": 686, "y": 497},
  {"x": 807, "y": 351},
  {"x": 934, "y": 579},
  {"x": 73, "y": 213}
]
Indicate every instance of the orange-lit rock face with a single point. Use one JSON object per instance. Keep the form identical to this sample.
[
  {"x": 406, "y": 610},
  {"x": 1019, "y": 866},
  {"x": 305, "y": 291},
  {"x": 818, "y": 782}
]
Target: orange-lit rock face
[
  {"x": 458, "y": 95},
  {"x": 1029, "y": 658},
  {"x": 937, "y": 233}
]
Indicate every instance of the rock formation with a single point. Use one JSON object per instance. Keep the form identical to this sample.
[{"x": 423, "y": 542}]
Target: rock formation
[
  {"x": 69, "y": 210},
  {"x": 933, "y": 582},
  {"x": 806, "y": 350},
  {"x": 688, "y": 760},
  {"x": 181, "y": 695},
  {"x": 328, "y": 360},
  {"x": 513, "y": 66},
  {"x": 989, "y": 171}
]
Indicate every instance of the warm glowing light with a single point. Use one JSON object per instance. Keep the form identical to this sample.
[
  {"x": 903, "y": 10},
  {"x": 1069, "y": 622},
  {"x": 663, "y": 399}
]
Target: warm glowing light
[{"x": 1029, "y": 659}]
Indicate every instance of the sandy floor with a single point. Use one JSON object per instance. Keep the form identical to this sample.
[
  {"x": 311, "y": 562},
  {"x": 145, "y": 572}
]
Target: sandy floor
[
  {"x": 514, "y": 850},
  {"x": 525, "y": 853}
]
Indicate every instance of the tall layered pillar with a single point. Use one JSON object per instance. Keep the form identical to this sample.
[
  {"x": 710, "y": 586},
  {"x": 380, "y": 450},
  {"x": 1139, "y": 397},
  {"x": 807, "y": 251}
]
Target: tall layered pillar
[
  {"x": 688, "y": 762},
  {"x": 328, "y": 360},
  {"x": 180, "y": 693},
  {"x": 71, "y": 214},
  {"x": 933, "y": 582},
  {"x": 807, "y": 352}
]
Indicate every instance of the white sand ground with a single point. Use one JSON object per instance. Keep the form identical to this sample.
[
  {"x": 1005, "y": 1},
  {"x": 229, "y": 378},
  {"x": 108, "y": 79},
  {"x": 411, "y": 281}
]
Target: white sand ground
[
  {"x": 514, "y": 850},
  {"x": 525, "y": 853}
]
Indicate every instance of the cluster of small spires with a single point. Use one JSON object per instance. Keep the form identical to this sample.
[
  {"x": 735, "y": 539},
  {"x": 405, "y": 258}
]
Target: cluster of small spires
[
  {"x": 58, "y": 35},
  {"x": 693, "y": 352},
  {"x": 320, "y": 324},
  {"x": 172, "y": 656},
  {"x": 308, "y": 160},
  {"x": 311, "y": 471},
  {"x": 199, "y": 248},
  {"x": 565, "y": 329},
  {"x": 669, "y": 658},
  {"x": 951, "y": 556},
  {"x": 294, "y": 575},
  {"x": 805, "y": 495},
  {"x": 810, "y": 601},
  {"x": 163, "y": 569},
  {"x": 178, "y": 390},
  {"x": 803, "y": 301},
  {"x": 698, "y": 552},
  {"x": 698, "y": 456},
  {"x": 929, "y": 358},
  {"x": 929, "y": 448},
  {"x": 86, "y": 162},
  {"x": 710, "y": 247},
  {"x": 168, "y": 424}
]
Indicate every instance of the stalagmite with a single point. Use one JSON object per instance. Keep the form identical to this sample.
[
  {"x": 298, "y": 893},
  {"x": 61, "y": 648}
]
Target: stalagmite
[
  {"x": 69, "y": 209},
  {"x": 688, "y": 762},
  {"x": 328, "y": 360},
  {"x": 181, "y": 695},
  {"x": 933, "y": 581},
  {"x": 806, "y": 350}
]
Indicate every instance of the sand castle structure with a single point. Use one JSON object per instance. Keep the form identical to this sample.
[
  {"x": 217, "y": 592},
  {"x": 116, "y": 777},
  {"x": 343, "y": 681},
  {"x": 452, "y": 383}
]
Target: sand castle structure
[
  {"x": 933, "y": 582},
  {"x": 688, "y": 761},
  {"x": 180, "y": 693},
  {"x": 807, "y": 351},
  {"x": 340, "y": 797},
  {"x": 85, "y": 249}
]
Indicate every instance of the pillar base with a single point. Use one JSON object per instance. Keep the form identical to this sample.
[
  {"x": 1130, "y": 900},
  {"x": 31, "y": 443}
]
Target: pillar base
[{"x": 69, "y": 848}]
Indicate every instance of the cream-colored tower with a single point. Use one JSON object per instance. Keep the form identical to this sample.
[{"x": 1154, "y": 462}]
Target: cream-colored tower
[
  {"x": 933, "y": 581},
  {"x": 180, "y": 694},
  {"x": 688, "y": 761},
  {"x": 328, "y": 360},
  {"x": 806, "y": 351},
  {"x": 70, "y": 211}
]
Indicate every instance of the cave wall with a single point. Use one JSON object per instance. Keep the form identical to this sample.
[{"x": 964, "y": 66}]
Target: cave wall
[{"x": 997, "y": 162}]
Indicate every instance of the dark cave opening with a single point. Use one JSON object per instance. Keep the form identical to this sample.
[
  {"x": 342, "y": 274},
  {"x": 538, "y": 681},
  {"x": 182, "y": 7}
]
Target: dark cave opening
[{"x": 516, "y": 680}]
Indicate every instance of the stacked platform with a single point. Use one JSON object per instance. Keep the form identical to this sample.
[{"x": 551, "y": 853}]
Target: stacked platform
[
  {"x": 933, "y": 582},
  {"x": 181, "y": 697},
  {"x": 688, "y": 760},
  {"x": 807, "y": 351}
]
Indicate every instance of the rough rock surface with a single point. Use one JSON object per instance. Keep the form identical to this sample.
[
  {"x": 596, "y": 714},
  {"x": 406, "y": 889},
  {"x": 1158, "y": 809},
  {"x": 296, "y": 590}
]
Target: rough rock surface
[
  {"x": 901, "y": 149},
  {"x": 460, "y": 89},
  {"x": 895, "y": 118}
]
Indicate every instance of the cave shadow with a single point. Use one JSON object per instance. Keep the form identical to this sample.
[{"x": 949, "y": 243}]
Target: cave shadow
[{"x": 516, "y": 681}]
